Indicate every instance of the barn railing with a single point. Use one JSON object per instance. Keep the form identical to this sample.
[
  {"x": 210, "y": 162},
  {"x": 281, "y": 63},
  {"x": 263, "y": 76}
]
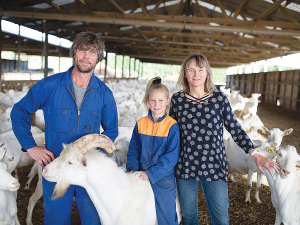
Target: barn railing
[
  {"x": 280, "y": 87},
  {"x": 5, "y": 85}
]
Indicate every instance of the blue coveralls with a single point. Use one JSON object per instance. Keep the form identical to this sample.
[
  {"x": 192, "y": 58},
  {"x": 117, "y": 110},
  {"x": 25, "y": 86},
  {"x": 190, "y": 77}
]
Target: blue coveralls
[
  {"x": 65, "y": 124},
  {"x": 154, "y": 148}
]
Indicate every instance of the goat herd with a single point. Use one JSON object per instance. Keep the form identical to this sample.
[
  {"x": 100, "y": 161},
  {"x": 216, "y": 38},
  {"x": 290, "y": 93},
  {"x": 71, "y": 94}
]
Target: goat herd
[{"x": 284, "y": 187}]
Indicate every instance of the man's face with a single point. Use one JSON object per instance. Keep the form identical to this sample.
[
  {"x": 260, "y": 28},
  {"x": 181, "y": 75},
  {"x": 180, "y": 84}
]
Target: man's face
[{"x": 86, "y": 59}]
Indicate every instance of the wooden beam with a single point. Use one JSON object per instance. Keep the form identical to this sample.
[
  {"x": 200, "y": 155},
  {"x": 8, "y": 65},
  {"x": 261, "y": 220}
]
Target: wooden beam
[
  {"x": 180, "y": 59},
  {"x": 268, "y": 10},
  {"x": 93, "y": 5},
  {"x": 143, "y": 7},
  {"x": 201, "y": 9},
  {"x": 176, "y": 7},
  {"x": 156, "y": 7},
  {"x": 239, "y": 8},
  {"x": 222, "y": 8},
  {"x": 153, "y": 23},
  {"x": 117, "y": 6},
  {"x": 258, "y": 50},
  {"x": 114, "y": 18},
  {"x": 53, "y": 4},
  {"x": 288, "y": 15}
]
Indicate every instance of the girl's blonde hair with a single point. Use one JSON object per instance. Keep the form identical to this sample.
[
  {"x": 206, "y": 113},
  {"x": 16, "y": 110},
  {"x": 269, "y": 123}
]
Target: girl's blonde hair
[
  {"x": 154, "y": 85},
  {"x": 201, "y": 61}
]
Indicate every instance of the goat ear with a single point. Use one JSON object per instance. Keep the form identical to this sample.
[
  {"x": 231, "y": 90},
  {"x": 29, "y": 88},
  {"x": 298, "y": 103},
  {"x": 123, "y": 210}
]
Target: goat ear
[
  {"x": 287, "y": 132},
  {"x": 2, "y": 156},
  {"x": 83, "y": 161},
  {"x": 265, "y": 130}
]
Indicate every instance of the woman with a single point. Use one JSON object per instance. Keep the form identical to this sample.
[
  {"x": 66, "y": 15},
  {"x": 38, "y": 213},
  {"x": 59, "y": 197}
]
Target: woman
[{"x": 201, "y": 112}]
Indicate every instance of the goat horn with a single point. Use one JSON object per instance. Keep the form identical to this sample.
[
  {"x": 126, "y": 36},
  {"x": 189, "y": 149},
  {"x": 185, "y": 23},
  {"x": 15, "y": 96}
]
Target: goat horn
[{"x": 87, "y": 142}]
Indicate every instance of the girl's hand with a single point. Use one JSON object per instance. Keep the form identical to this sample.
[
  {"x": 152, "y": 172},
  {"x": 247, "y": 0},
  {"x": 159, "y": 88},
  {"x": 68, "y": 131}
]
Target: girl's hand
[{"x": 143, "y": 175}]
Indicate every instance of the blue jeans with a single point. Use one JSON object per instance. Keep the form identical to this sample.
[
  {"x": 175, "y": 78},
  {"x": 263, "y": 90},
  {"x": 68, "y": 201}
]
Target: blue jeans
[{"x": 216, "y": 196}]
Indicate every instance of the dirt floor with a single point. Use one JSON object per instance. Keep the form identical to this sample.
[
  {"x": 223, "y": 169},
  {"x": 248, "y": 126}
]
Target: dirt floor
[{"x": 240, "y": 213}]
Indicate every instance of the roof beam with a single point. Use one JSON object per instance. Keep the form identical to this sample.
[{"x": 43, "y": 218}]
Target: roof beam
[
  {"x": 117, "y": 6},
  {"x": 156, "y": 7},
  {"x": 143, "y": 7},
  {"x": 268, "y": 10},
  {"x": 239, "y": 8},
  {"x": 72, "y": 15},
  {"x": 150, "y": 23},
  {"x": 222, "y": 8}
]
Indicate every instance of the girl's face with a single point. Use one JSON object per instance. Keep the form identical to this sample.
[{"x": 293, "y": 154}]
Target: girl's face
[
  {"x": 158, "y": 103},
  {"x": 195, "y": 75}
]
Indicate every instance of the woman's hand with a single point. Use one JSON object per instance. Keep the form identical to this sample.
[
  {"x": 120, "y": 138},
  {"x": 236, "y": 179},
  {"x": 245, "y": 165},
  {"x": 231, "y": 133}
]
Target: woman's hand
[
  {"x": 142, "y": 175},
  {"x": 262, "y": 161}
]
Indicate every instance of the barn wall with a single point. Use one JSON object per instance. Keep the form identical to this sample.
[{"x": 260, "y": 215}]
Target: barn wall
[{"x": 273, "y": 86}]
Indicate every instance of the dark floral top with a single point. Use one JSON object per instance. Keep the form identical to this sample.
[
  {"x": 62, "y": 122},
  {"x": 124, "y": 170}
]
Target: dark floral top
[{"x": 202, "y": 151}]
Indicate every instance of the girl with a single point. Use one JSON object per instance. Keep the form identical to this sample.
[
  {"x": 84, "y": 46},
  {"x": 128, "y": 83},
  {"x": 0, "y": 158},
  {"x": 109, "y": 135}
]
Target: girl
[{"x": 154, "y": 150}]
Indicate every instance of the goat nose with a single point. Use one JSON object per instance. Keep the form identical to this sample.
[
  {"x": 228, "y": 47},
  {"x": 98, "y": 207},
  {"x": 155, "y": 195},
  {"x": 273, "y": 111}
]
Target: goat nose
[{"x": 16, "y": 183}]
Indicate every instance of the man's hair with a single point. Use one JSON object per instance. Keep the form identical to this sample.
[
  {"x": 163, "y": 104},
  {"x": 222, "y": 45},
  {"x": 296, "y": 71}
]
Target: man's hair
[{"x": 87, "y": 40}]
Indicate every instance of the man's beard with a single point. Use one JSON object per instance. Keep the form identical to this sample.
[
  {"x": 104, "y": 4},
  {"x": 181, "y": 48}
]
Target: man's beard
[{"x": 86, "y": 70}]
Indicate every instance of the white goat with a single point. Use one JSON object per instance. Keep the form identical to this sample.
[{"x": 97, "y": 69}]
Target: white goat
[
  {"x": 8, "y": 187},
  {"x": 21, "y": 158},
  {"x": 38, "y": 193},
  {"x": 238, "y": 103},
  {"x": 250, "y": 106},
  {"x": 120, "y": 154},
  {"x": 5, "y": 152},
  {"x": 285, "y": 186},
  {"x": 120, "y": 198},
  {"x": 242, "y": 163},
  {"x": 5, "y": 121},
  {"x": 251, "y": 125},
  {"x": 275, "y": 135}
]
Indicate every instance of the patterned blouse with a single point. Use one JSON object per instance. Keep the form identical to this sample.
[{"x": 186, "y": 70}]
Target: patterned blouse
[{"x": 202, "y": 151}]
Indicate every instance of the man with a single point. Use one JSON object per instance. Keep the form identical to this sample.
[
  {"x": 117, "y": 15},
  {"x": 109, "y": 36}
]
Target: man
[{"x": 74, "y": 103}]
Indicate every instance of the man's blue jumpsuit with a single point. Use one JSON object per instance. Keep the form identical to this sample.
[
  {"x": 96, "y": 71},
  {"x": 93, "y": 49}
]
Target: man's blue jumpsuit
[
  {"x": 154, "y": 148},
  {"x": 65, "y": 124}
]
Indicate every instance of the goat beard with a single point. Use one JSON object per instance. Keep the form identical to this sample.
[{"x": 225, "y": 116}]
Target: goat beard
[{"x": 60, "y": 189}]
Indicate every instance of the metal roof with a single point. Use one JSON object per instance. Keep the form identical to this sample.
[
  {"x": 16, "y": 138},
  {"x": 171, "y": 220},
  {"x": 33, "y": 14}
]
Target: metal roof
[{"x": 227, "y": 32}]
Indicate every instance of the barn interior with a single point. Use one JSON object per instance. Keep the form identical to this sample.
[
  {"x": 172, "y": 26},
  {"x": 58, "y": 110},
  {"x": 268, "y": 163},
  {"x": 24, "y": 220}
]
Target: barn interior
[{"x": 227, "y": 32}]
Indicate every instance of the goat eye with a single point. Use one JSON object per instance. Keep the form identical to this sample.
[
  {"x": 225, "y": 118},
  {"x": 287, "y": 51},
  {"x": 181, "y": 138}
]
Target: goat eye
[{"x": 70, "y": 163}]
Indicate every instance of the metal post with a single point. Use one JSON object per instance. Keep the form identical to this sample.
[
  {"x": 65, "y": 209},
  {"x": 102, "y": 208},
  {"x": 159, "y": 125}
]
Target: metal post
[
  {"x": 19, "y": 49},
  {"x": 129, "y": 67},
  {"x": 123, "y": 67},
  {"x": 59, "y": 53},
  {"x": 0, "y": 48},
  {"x": 134, "y": 67},
  {"x": 46, "y": 51},
  {"x": 106, "y": 59},
  {"x": 115, "y": 66},
  {"x": 139, "y": 69}
]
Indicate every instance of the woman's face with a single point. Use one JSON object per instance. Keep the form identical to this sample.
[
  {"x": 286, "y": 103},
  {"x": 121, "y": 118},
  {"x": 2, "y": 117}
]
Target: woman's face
[{"x": 195, "y": 75}]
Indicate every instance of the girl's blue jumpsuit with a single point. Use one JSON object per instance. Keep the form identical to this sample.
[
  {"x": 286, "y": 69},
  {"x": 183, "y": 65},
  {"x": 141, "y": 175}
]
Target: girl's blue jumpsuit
[
  {"x": 154, "y": 148},
  {"x": 65, "y": 124}
]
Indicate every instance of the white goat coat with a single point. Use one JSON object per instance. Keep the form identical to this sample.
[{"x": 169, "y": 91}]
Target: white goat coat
[
  {"x": 120, "y": 198},
  {"x": 8, "y": 206},
  {"x": 285, "y": 193}
]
